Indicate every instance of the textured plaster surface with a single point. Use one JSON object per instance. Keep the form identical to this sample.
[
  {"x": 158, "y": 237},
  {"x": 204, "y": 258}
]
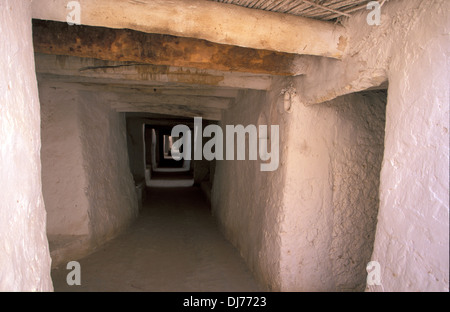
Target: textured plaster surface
[
  {"x": 111, "y": 191},
  {"x": 246, "y": 201},
  {"x": 330, "y": 202},
  {"x": 409, "y": 51},
  {"x": 24, "y": 252},
  {"x": 63, "y": 175},
  {"x": 310, "y": 224},
  {"x": 88, "y": 187},
  {"x": 371, "y": 49},
  {"x": 412, "y": 240}
]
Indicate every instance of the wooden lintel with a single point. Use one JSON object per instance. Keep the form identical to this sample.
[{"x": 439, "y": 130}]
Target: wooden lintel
[
  {"x": 70, "y": 68},
  {"x": 209, "y": 20},
  {"x": 172, "y": 110},
  {"x": 132, "y": 88},
  {"x": 127, "y": 45},
  {"x": 191, "y": 101}
]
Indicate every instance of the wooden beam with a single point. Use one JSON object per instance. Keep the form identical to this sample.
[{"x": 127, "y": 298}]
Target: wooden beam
[
  {"x": 95, "y": 86},
  {"x": 129, "y": 45},
  {"x": 208, "y": 107},
  {"x": 182, "y": 100},
  {"x": 44, "y": 77},
  {"x": 212, "y": 21},
  {"x": 156, "y": 121},
  {"x": 146, "y": 74},
  {"x": 173, "y": 110},
  {"x": 197, "y": 102}
]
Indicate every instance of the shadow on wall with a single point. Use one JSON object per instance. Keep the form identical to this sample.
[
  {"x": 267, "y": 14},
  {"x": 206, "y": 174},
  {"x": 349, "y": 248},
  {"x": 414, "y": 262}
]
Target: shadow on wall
[{"x": 88, "y": 189}]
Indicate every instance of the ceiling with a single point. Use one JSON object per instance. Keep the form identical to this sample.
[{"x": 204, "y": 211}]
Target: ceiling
[
  {"x": 167, "y": 90},
  {"x": 325, "y": 10}
]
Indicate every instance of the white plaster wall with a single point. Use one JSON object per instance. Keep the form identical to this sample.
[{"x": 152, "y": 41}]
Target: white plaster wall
[
  {"x": 88, "y": 187},
  {"x": 135, "y": 143},
  {"x": 63, "y": 174},
  {"x": 409, "y": 49},
  {"x": 412, "y": 240},
  {"x": 330, "y": 205},
  {"x": 310, "y": 225},
  {"x": 246, "y": 201},
  {"x": 110, "y": 190},
  {"x": 24, "y": 253}
]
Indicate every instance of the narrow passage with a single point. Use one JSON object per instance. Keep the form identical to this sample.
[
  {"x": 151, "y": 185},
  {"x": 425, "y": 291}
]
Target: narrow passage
[{"x": 174, "y": 245}]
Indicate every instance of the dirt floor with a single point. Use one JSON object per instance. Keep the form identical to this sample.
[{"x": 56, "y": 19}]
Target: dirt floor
[{"x": 173, "y": 246}]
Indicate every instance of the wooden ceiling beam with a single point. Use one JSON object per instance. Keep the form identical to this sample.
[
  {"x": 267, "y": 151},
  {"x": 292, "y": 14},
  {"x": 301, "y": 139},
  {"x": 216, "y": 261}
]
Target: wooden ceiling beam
[
  {"x": 216, "y": 22},
  {"x": 70, "y": 68},
  {"x": 127, "y": 45},
  {"x": 172, "y": 110},
  {"x": 105, "y": 86},
  {"x": 181, "y": 100}
]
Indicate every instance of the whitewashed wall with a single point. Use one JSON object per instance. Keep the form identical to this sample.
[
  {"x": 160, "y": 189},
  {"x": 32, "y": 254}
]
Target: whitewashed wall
[
  {"x": 412, "y": 240},
  {"x": 88, "y": 187},
  {"x": 24, "y": 252},
  {"x": 245, "y": 200},
  {"x": 330, "y": 203}
]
